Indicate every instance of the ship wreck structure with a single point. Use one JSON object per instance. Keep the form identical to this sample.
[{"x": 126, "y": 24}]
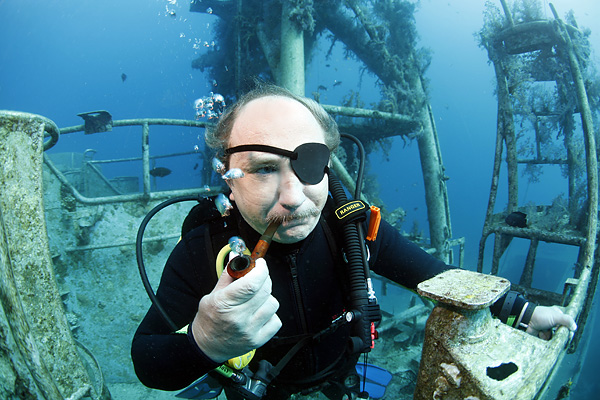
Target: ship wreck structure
[
  {"x": 70, "y": 292},
  {"x": 547, "y": 113}
]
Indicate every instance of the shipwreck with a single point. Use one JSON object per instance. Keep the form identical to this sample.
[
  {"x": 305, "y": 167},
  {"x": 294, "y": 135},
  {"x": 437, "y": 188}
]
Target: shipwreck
[{"x": 71, "y": 296}]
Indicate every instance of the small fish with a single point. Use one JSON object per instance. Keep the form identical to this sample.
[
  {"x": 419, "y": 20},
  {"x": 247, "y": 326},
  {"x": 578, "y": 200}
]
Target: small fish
[
  {"x": 517, "y": 219},
  {"x": 337, "y": 83},
  {"x": 233, "y": 173},
  {"x": 196, "y": 166},
  {"x": 237, "y": 244},
  {"x": 218, "y": 166},
  {"x": 223, "y": 204},
  {"x": 160, "y": 171},
  {"x": 123, "y": 77},
  {"x": 321, "y": 87}
]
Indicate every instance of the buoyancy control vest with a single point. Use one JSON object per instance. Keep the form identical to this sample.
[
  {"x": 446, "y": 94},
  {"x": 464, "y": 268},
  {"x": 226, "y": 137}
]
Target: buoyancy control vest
[
  {"x": 340, "y": 232},
  {"x": 219, "y": 229}
]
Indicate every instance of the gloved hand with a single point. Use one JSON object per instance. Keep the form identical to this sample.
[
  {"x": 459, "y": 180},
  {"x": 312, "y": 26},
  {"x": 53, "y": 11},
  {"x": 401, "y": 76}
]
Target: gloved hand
[
  {"x": 238, "y": 315},
  {"x": 545, "y": 318}
]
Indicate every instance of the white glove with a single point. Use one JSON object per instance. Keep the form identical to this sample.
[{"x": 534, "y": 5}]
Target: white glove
[
  {"x": 545, "y": 318},
  {"x": 238, "y": 315}
]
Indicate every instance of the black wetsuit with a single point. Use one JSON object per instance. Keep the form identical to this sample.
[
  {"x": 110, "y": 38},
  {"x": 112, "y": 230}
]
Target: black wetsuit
[{"x": 308, "y": 281}]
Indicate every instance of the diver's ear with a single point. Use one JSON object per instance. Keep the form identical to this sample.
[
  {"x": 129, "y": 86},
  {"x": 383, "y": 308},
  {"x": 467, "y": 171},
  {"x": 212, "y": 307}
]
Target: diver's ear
[{"x": 231, "y": 194}]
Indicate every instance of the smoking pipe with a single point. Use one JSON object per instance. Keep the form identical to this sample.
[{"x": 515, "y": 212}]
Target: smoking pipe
[{"x": 241, "y": 265}]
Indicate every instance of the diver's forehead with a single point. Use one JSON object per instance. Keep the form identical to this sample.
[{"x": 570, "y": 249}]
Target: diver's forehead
[{"x": 277, "y": 121}]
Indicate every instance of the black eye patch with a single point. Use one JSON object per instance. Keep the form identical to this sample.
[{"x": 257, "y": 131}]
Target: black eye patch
[{"x": 309, "y": 160}]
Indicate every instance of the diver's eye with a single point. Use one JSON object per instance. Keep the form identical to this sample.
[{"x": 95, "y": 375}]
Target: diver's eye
[{"x": 265, "y": 169}]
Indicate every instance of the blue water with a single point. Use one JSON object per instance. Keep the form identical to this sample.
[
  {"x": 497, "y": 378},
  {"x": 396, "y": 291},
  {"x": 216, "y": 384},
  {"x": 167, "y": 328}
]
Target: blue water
[{"x": 61, "y": 58}]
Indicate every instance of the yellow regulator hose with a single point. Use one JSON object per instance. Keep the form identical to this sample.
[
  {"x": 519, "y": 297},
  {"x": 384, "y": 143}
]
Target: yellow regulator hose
[{"x": 243, "y": 360}]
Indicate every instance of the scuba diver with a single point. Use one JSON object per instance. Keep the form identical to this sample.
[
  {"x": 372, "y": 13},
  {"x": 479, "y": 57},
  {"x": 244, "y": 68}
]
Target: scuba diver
[{"x": 300, "y": 318}]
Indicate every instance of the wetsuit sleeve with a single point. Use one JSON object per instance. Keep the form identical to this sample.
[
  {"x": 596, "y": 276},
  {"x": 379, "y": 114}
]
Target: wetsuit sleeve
[
  {"x": 513, "y": 310},
  {"x": 164, "y": 359},
  {"x": 402, "y": 261}
]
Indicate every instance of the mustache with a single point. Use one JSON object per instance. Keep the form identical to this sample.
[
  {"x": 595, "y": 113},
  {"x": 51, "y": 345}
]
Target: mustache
[{"x": 281, "y": 217}]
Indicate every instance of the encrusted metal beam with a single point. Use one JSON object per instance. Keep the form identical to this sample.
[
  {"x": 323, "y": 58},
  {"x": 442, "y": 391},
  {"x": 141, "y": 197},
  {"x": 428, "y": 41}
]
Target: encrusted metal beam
[{"x": 40, "y": 358}]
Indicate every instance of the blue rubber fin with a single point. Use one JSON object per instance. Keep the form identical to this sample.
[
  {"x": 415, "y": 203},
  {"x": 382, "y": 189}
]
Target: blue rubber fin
[
  {"x": 206, "y": 387},
  {"x": 377, "y": 379}
]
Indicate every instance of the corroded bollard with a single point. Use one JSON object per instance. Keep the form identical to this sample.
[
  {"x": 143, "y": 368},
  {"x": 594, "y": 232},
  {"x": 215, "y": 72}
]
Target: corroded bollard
[
  {"x": 467, "y": 354},
  {"x": 39, "y": 357}
]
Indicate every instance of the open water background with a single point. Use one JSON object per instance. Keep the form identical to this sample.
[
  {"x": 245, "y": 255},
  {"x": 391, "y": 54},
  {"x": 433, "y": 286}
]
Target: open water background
[{"x": 61, "y": 58}]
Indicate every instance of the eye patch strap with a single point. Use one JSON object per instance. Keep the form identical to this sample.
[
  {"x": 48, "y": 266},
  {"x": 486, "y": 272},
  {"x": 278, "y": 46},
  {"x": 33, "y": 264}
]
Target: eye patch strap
[{"x": 262, "y": 147}]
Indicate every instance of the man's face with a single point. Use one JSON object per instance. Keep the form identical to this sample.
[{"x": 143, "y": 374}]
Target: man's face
[{"x": 270, "y": 189}]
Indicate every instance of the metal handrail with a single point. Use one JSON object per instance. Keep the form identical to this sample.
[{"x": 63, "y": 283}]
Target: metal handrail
[
  {"x": 142, "y": 121},
  {"x": 147, "y": 194},
  {"x": 204, "y": 191}
]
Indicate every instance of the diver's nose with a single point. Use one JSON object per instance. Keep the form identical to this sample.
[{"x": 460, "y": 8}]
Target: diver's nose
[{"x": 291, "y": 191}]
